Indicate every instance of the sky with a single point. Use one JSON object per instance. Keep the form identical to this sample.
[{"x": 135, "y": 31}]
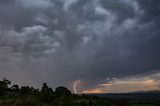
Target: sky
[{"x": 111, "y": 46}]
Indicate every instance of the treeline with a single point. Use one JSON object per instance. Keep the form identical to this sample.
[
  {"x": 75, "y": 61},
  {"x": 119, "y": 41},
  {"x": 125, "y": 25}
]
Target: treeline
[{"x": 13, "y": 95}]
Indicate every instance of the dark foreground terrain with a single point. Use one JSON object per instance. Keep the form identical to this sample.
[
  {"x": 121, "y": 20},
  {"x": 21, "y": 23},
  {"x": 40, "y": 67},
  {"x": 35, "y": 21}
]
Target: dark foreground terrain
[
  {"x": 135, "y": 99},
  {"x": 12, "y": 95}
]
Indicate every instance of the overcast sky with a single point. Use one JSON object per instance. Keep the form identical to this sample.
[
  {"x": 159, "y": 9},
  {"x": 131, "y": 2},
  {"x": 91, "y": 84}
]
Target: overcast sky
[{"x": 110, "y": 45}]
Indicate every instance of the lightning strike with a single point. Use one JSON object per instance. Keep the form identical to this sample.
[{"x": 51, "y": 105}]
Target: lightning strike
[{"x": 75, "y": 86}]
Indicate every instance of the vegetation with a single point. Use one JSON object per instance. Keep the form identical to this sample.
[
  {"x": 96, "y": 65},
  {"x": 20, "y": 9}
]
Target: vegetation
[
  {"x": 13, "y": 95},
  {"x": 29, "y": 96}
]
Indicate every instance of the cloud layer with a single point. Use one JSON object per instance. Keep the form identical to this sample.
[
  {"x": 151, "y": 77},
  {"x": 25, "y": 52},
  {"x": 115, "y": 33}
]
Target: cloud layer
[
  {"x": 60, "y": 41},
  {"x": 128, "y": 84}
]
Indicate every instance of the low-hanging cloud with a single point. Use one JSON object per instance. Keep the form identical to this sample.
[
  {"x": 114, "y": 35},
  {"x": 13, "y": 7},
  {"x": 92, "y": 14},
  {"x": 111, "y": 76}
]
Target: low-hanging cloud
[{"x": 128, "y": 84}]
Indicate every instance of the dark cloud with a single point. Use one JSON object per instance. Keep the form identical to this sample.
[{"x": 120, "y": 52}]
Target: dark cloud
[{"x": 59, "y": 41}]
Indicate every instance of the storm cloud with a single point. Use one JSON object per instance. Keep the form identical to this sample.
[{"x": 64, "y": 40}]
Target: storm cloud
[{"x": 59, "y": 41}]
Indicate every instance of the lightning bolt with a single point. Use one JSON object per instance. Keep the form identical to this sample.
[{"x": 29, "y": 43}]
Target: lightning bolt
[{"x": 75, "y": 86}]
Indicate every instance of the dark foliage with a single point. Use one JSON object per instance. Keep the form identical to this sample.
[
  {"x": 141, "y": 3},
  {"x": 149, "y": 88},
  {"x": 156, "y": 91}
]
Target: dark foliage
[
  {"x": 46, "y": 94},
  {"x": 29, "y": 96}
]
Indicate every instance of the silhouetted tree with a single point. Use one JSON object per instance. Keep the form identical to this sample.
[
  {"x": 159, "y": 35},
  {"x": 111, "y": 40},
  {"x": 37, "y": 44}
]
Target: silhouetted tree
[
  {"x": 46, "y": 94},
  {"x": 62, "y": 91},
  {"x": 25, "y": 90},
  {"x": 15, "y": 88},
  {"x": 8, "y": 82},
  {"x": 4, "y": 86},
  {"x": 5, "y": 83}
]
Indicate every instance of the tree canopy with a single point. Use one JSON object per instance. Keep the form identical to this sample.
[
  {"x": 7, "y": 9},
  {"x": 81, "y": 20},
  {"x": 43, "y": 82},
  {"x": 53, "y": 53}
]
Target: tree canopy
[{"x": 14, "y": 95}]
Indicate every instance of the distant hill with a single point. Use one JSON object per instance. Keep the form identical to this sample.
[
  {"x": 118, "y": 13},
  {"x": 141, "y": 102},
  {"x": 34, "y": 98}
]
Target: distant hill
[
  {"x": 140, "y": 98},
  {"x": 153, "y": 91}
]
